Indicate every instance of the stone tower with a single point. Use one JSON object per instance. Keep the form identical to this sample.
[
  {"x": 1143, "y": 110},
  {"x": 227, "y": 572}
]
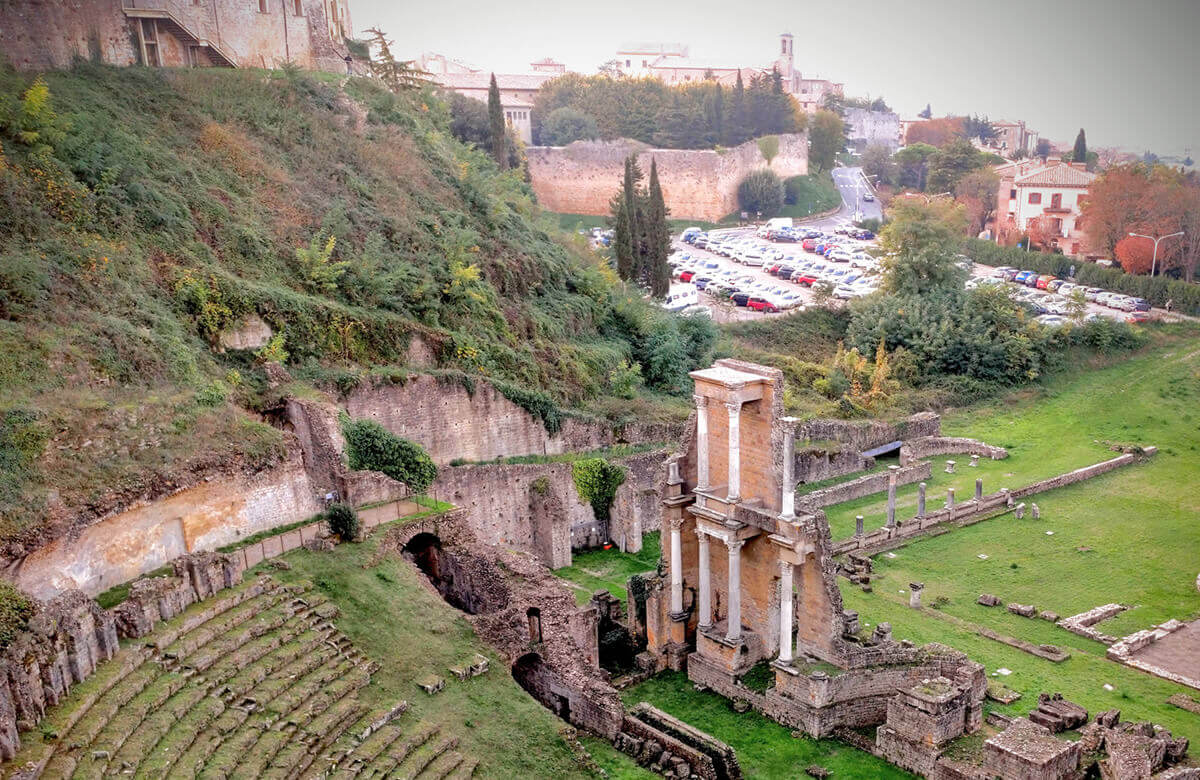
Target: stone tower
[{"x": 786, "y": 62}]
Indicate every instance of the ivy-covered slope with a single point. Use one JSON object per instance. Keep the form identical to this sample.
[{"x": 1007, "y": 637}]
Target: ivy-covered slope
[{"x": 143, "y": 213}]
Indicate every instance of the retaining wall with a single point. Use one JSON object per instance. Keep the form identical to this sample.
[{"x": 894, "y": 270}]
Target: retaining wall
[
  {"x": 581, "y": 178},
  {"x": 863, "y": 486},
  {"x": 928, "y": 446},
  {"x": 866, "y": 434}
]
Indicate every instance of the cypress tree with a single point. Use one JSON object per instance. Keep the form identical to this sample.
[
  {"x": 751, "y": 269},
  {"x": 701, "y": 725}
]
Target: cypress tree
[
  {"x": 658, "y": 238},
  {"x": 736, "y": 126},
  {"x": 718, "y": 113},
  {"x": 1080, "y": 152},
  {"x": 623, "y": 229},
  {"x": 497, "y": 126}
]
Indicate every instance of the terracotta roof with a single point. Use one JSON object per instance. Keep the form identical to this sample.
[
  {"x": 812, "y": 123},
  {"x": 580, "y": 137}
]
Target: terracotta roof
[
  {"x": 1056, "y": 176},
  {"x": 530, "y": 81}
]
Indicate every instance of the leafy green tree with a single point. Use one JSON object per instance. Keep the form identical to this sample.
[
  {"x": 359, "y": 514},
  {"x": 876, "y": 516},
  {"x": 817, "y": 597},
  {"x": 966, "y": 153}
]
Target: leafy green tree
[
  {"x": 974, "y": 127},
  {"x": 1080, "y": 152},
  {"x": 319, "y": 271},
  {"x": 826, "y": 137},
  {"x": 921, "y": 240},
  {"x": 567, "y": 124},
  {"x": 951, "y": 163},
  {"x": 1042, "y": 149},
  {"x": 396, "y": 75},
  {"x": 877, "y": 161},
  {"x": 343, "y": 521},
  {"x": 497, "y": 127},
  {"x": 761, "y": 192},
  {"x": 977, "y": 192},
  {"x": 914, "y": 165},
  {"x": 656, "y": 271}
]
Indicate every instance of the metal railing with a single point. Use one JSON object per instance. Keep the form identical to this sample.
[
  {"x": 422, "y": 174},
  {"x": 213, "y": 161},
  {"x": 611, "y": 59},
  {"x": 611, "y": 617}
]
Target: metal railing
[{"x": 199, "y": 21}]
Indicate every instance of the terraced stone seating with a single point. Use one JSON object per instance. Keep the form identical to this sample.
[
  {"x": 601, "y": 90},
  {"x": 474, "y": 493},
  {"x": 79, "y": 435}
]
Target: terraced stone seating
[{"x": 254, "y": 683}]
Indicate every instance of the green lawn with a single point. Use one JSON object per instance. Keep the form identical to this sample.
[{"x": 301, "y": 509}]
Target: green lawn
[
  {"x": 1130, "y": 536},
  {"x": 411, "y": 632},
  {"x": 764, "y": 748},
  {"x": 609, "y": 569},
  {"x": 815, "y": 193}
]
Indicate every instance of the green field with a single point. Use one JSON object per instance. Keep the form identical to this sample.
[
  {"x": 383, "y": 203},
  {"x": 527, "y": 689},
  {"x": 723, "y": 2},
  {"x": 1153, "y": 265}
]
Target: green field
[
  {"x": 814, "y": 193},
  {"x": 1129, "y": 536},
  {"x": 764, "y": 748},
  {"x": 609, "y": 569}
]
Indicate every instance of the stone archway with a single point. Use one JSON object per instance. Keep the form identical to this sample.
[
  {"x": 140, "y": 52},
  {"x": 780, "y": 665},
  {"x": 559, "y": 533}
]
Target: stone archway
[
  {"x": 531, "y": 673},
  {"x": 466, "y": 582}
]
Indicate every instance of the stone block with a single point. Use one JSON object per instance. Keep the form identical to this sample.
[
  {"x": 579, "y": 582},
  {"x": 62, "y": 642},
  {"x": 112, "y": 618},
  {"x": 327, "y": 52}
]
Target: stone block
[
  {"x": 988, "y": 600},
  {"x": 431, "y": 684},
  {"x": 1024, "y": 610},
  {"x": 1048, "y": 615}
]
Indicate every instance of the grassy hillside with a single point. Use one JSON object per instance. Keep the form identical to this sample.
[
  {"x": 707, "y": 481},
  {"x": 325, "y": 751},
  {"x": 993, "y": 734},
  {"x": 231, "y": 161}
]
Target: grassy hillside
[{"x": 145, "y": 212}]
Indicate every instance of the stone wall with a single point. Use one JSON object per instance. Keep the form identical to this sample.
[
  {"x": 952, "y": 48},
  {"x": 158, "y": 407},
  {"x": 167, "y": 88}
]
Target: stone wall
[
  {"x": 697, "y": 184},
  {"x": 536, "y": 509},
  {"x": 454, "y": 424},
  {"x": 866, "y": 434},
  {"x": 51, "y": 34},
  {"x": 814, "y": 465},
  {"x": 864, "y": 486},
  {"x": 928, "y": 446},
  {"x": 124, "y": 545}
]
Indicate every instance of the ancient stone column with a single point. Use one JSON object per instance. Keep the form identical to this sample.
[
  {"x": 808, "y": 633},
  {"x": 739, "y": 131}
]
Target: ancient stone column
[
  {"x": 788, "y": 501},
  {"x": 858, "y": 525},
  {"x": 1008, "y": 499},
  {"x": 974, "y": 461},
  {"x": 701, "y": 442},
  {"x": 891, "y": 510},
  {"x": 735, "y": 450},
  {"x": 921, "y": 500},
  {"x": 673, "y": 477},
  {"x": 733, "y": 631},
  {"x": 979, "y": 489},
  {"x": 949, "y": 467},
  {"x": 914, "y": 594},
  {"x": 785, "y": 611},
  {"x": 949, "y": 498},
  {"x": 704, "y": 618},
  {"x": 676, "y": 567}
]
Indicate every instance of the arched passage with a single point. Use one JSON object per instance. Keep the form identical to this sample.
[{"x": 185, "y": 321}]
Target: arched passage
[
  {"x": 465, "y": 582},
  {"x": 532, "y": 674}
]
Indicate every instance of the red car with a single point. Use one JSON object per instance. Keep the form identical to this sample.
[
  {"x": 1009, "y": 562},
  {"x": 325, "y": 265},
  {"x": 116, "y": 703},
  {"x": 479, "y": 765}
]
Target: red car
[
  {"x": 809, "y": 244},
  {"x": 1136, "y": 317},
  {"x": 1044, "y": 280},
  {"x": 686, "y": 276},
  {"x": 805, "y": 280},
  {"x": 761, "y": 304}
]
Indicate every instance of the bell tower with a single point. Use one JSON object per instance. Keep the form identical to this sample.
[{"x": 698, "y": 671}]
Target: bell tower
[{"x": 786, "y": 60}]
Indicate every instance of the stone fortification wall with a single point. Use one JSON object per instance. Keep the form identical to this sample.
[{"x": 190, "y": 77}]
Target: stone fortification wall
[
  {"x": 928, "y": 446},
  {"x": 866, "y": 434},
  {"x": 863, "y": 486},
  {"x": 535, "y": 508},
  {"x": 127, "y": 544},
  {"x": 697, "y": 184},
  {"x": 454, "y": 424}
]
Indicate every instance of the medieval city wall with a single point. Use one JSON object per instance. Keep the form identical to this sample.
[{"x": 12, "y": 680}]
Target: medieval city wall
[
  {"x": 582, "y": 177},
  {"x": 127, "y": 544},
  {"x": 454, "y": 424}
]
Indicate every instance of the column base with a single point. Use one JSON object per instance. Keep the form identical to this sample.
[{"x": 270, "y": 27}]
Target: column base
[
  {"x": 677, "y": 655},
  {"x": 679, "y": 617}
]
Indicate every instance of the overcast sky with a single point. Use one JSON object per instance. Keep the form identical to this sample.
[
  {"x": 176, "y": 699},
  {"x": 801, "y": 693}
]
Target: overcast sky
[{"x": 1126, "y": 70}]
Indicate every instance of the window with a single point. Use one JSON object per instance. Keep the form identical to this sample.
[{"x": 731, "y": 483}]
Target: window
[
  {"x": 643, "y": 63},
  {"x": 1012, "y": 194},
  {"x": 1056, "y": 201},
  {"x": 298, "y": 7},
  {"x": 783, "y": 47},
  {"x": 627, "y": 63},
  {"x": 262, "y": 6},
  {"x": 1035, "y": 198}
]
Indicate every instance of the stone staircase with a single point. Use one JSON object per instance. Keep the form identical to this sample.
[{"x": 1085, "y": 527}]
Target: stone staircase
[{"x": 254, "y": 683}]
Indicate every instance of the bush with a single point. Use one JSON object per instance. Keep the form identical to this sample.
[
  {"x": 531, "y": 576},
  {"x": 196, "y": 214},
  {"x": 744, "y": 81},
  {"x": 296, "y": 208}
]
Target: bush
[
  {"x": 761, "y": 192},
  {"x": 343, "y": 521},
  {"x": 567, "y": 124},
  {"x": 371, "y": 446},
  {"x": 596, "y": 481},
  {"x": 15, "y": 611}
]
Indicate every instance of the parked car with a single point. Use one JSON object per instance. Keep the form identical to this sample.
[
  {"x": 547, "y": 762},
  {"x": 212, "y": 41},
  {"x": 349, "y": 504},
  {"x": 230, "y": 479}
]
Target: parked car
[
  {"x": 740, "y": 298},
  {"x": 867, "y": 196},
  {"x": 1090, "y": 293},
  {"x": 761, "y": 304},
  {"x": 686, "y": 276},
  {"x": 1054, "y": 285},
  {"x": 1021, "y": 276},
  {"x": 1141, "y": 304},
  {"x": 807, "y": 279},
  {"x": 1137, "y": 317},
  {"x": 1052, "y": 320},
  {"x": 1042, "y": 281}
]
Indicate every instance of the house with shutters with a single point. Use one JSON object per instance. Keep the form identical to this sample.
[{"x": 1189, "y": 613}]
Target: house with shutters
[{"x": 1051, "y": 191}]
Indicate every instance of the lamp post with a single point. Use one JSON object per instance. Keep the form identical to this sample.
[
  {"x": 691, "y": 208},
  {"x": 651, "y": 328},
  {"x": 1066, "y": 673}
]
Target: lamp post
[{"x": 1154, "y": 262}]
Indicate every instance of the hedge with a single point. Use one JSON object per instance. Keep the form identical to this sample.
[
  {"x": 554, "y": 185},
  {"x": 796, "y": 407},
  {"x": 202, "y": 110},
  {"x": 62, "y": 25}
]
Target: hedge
[{"x": 1158, "y": 290}]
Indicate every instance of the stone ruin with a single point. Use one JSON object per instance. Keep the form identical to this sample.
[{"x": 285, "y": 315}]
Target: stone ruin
[{"x": 763, "y": 587}]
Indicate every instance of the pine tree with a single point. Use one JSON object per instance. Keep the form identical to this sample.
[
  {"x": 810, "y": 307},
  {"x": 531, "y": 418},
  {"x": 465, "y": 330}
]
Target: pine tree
[
  {"x": 498, "y": 128},
  {"x": 1080, "y": 152},
  {"x": 736, "y": 126},
  {"x": 622, "y": 238},
  {"x": 718, "y": 113},
  {"x": 396, "y": 75},
  {"x": 659, "y": 238},
  {"x": 927, "y": 113}
]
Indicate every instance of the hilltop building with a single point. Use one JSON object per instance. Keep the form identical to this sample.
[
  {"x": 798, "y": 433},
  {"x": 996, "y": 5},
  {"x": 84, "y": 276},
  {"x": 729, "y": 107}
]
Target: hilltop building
[
  {"x": 1051, "y": 189},
  {"x": 35, "y": 35},
  {"x": 673, "y": 64},
  {"x": 517, "y": 90}
]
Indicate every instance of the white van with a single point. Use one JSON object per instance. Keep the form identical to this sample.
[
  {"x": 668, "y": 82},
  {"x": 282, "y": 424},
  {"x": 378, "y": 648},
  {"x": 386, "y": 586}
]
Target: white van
[
  {"x": 681, "y": 296},
  {"x": 778, "y": 223},
  {"x": 752, "y": 256}
]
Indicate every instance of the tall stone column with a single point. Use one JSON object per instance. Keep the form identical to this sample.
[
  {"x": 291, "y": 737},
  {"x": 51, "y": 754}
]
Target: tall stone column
[
  {"x": 733, "y": 631},
  {"x": 735, "y": 450},
  {"x": 858, "y": 525},
  {"x": 676, "y": 567},
  {"x": 891, "y": 509},
  {"x": 785, "y": 611},
  {"x": 921, "y": 500},
  {"x": 705, "y": 613},
  {"x": 788, "y": 501},
  {"x": 701, "y": 442},
  {"x": 979, "y": 489}
]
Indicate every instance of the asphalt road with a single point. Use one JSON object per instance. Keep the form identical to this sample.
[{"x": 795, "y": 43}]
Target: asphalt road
[{"x": 853, "y": 186}]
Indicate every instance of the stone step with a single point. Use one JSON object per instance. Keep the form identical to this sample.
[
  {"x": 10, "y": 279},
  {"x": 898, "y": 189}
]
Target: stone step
[
  {"x": 401, "y": 749},
  {"x": 138, "y": 745},
  {"x": 443, "y": 766},
  {"x": 128, "y": 718},
  {"x": 420, "y": 759},
  {"x": 206, "y": 743},
  {"x": 465, "y": 770},
  {"x": 180, "y": 738},
  {"x": 220, "y": 624},
  {"x": 336, "y": 721},
  {"x": 224, "y": 760}
]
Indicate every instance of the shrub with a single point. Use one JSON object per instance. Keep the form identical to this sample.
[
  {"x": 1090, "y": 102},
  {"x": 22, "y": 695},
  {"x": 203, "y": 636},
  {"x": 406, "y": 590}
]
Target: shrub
[
  {"x": 761, "y": 192},
  {"x": 565, "y": 125},
  {"x": 371, "y": 446},
  {"x": 15, "y": 611},
  {"x": 596, "y": 481},
  {"x": 343, "y": 521}
]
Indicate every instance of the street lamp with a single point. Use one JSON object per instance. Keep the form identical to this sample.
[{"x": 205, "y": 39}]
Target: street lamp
[{"x": 1154, "y": 261}]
